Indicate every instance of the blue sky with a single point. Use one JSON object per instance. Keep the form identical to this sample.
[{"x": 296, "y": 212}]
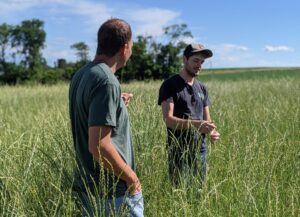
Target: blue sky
[{"x": 241, "y": 33}]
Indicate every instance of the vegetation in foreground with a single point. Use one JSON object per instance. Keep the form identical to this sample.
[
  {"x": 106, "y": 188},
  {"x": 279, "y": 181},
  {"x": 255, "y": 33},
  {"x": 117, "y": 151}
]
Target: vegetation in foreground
[{"x": 253, "y": 171}]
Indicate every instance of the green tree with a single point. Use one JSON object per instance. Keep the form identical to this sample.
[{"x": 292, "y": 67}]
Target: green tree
[
  {"x": 177, "y": 33},
  {"x": 156, "y": 60},
  {"x": 169, "y": 59},
  {"x": 141, "y": 64},
  {"x": 5, "y": 34},
  {"x": 29, "y": 38},
  {"x": 82, "y": 51}
]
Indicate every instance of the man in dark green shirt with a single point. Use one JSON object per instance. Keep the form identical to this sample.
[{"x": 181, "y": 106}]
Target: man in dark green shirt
[{"x": 101, "y": 132}]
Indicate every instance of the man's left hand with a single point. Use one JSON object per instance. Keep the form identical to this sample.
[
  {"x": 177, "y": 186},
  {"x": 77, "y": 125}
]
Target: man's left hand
[
  {"x": 214, "y": 136},
  {"x": 126, "y": 97}
]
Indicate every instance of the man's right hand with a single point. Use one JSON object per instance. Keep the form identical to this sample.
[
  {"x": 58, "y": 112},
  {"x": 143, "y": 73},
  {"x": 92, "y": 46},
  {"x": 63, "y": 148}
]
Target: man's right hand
[
  {"x": 206, "y": 127},
  {"x": 134, "y": 185}
]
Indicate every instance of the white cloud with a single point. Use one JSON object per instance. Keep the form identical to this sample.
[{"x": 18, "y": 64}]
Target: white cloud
[
  {"x": 232, "y": 48},
  {"x": 54, "y": 53},
  {"x": 147, "y": 21},
  {"x": 151, "y": 21},
  {"x": 189, "y": 40},
  {"x": 8, "y": 7},
  {"x": 59, "y": 54},
  {"x": 270, "y": 48},
  {"x": 13, "y": 6},
  {"x": 227, "y": 54},
  {"x": 91, "y": 12},
  {"x": 59, "y": 48}
]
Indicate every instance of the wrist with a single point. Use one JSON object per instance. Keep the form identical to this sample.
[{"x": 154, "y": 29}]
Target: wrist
[
  {"x": 130, "y": 176},
  {"x": 200, "y": 124}
]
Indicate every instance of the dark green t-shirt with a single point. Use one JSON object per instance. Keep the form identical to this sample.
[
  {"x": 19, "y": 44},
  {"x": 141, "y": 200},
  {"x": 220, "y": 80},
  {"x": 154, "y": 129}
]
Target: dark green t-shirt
[{"x": 95, "y": 100}]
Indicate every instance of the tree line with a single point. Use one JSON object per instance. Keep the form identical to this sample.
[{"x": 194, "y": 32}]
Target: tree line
[{"x": 21, "y": 57}]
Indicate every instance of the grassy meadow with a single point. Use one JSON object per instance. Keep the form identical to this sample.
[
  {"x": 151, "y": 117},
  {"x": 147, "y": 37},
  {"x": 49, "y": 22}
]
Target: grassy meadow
[{"x": 254, "y": 170}]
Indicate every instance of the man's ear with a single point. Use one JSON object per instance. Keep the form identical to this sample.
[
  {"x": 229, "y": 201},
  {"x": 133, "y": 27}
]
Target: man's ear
[
  {"x": 184, "y": 59},
  {"x": 123, "y": 49}
]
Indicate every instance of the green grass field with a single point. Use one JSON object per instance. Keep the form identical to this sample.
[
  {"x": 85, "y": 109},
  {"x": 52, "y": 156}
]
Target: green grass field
[{"x": 253, "y": 171}]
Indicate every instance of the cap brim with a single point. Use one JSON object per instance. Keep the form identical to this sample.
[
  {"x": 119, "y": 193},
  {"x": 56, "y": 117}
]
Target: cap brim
[{"x": 207, "y": 53}]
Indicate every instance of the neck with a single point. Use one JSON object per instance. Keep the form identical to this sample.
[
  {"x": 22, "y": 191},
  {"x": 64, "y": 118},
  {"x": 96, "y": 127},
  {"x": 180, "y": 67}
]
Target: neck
[
  {"x": 188, "y": 78},
  {"x": 111, "y": 62}
]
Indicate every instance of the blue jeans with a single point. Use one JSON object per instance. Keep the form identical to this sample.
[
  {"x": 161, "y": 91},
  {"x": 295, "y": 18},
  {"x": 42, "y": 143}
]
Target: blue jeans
[
  {"x": 129, "y": 206},
  {"x": 187, "y": 156},
  {"x": 184, "y": 171}
]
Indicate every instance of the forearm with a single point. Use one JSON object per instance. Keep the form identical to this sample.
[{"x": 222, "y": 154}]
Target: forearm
[
  {"x": 104, "y": 152},
  {"x": 180, "y": 123},
  {"x": 112, "y": 162},
  {"x": 206, "y": 114},
  {"x": 174, "y": 122}
]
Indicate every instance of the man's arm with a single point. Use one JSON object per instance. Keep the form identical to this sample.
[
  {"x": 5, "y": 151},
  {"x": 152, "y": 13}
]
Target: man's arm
[
  {"x": 103, "y": 151},
  {"x": 180, "y": 123},
  {"x": 214, "y": 134},
  {"x": 206, "y": 114}
]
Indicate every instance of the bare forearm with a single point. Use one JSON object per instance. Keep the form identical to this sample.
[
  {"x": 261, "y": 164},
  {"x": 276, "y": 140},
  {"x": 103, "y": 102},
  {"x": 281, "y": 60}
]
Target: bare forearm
[
  {"x": 203, "y": 126},
  {"x": 103, "y": 151},
  {"x": 112, "y": 162},
  {"x": 206, "y": 114},
  {"x": 179, "y": 123}
]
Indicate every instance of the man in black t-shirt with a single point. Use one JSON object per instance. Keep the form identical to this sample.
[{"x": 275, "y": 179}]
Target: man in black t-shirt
[{"x": 185, "y": 108}]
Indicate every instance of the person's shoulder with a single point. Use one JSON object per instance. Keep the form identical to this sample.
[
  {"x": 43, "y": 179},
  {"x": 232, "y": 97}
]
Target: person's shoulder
[
  {"x": 103, "y": 74},
  {"x": 202, "y": 86},
  {"x": 175, "y": 77},
  {"x": 171, "y": 80},
  {"x": 80, "y": 74}
]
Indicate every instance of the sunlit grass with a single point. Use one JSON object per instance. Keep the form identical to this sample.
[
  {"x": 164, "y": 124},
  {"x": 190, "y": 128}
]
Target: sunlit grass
[{"x": 253, "y": 171}]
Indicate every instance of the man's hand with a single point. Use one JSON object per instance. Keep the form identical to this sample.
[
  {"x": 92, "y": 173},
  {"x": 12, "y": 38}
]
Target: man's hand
[
  {"x": 126, "y": 97},
  {"x": 214, "y": 136},
  {"x": 134, "y": 185},
  {"x": 206, "y": 127}
]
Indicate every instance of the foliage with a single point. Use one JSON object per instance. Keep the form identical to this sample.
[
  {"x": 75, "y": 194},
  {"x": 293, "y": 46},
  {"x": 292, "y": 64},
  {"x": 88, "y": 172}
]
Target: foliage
[
  {"x": 82, "y": 51},
  {"x": 177, "y": 33},
  {"x": 13, "y": 73},
  {"x": 152, "y": 60},
  {"x": 141, "y": 64},
  {"x": 29, "y": 38},
  {"x": 5, "y": 34}
]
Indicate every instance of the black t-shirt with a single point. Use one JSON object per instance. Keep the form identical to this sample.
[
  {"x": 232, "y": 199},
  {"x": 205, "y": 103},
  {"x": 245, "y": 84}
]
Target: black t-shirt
[{"x": 189, "y": 102}]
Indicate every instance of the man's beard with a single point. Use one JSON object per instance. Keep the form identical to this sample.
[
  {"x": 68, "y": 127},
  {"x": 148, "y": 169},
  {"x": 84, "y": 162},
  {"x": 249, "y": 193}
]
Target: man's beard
[{"x": 191, "y": 73}]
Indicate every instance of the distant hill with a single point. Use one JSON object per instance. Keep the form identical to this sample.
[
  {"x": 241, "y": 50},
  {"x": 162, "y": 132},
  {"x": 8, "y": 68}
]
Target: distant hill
[{"x": 249, "y": 73}]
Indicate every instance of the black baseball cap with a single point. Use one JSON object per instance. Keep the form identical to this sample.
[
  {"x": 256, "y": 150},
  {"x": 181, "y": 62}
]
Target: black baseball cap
[{"x": 197, "y": 48}]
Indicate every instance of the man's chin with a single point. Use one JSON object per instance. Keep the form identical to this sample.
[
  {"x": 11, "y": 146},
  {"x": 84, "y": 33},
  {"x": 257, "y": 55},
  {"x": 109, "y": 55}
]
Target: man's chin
[
  {"x": 192, "y": 74},
  {"x": 195, "y": 74}
]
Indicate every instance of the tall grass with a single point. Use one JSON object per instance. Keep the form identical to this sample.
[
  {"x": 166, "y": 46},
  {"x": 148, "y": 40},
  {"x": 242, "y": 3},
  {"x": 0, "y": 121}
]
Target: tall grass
[{"x": 254, "y": 170}]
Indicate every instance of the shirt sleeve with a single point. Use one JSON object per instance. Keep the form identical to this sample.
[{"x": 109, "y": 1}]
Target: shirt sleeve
[
  {"x": 103, "y": 106},
  {"x": 206, "y": 101},
  {"x": 165, "y": 93}
]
